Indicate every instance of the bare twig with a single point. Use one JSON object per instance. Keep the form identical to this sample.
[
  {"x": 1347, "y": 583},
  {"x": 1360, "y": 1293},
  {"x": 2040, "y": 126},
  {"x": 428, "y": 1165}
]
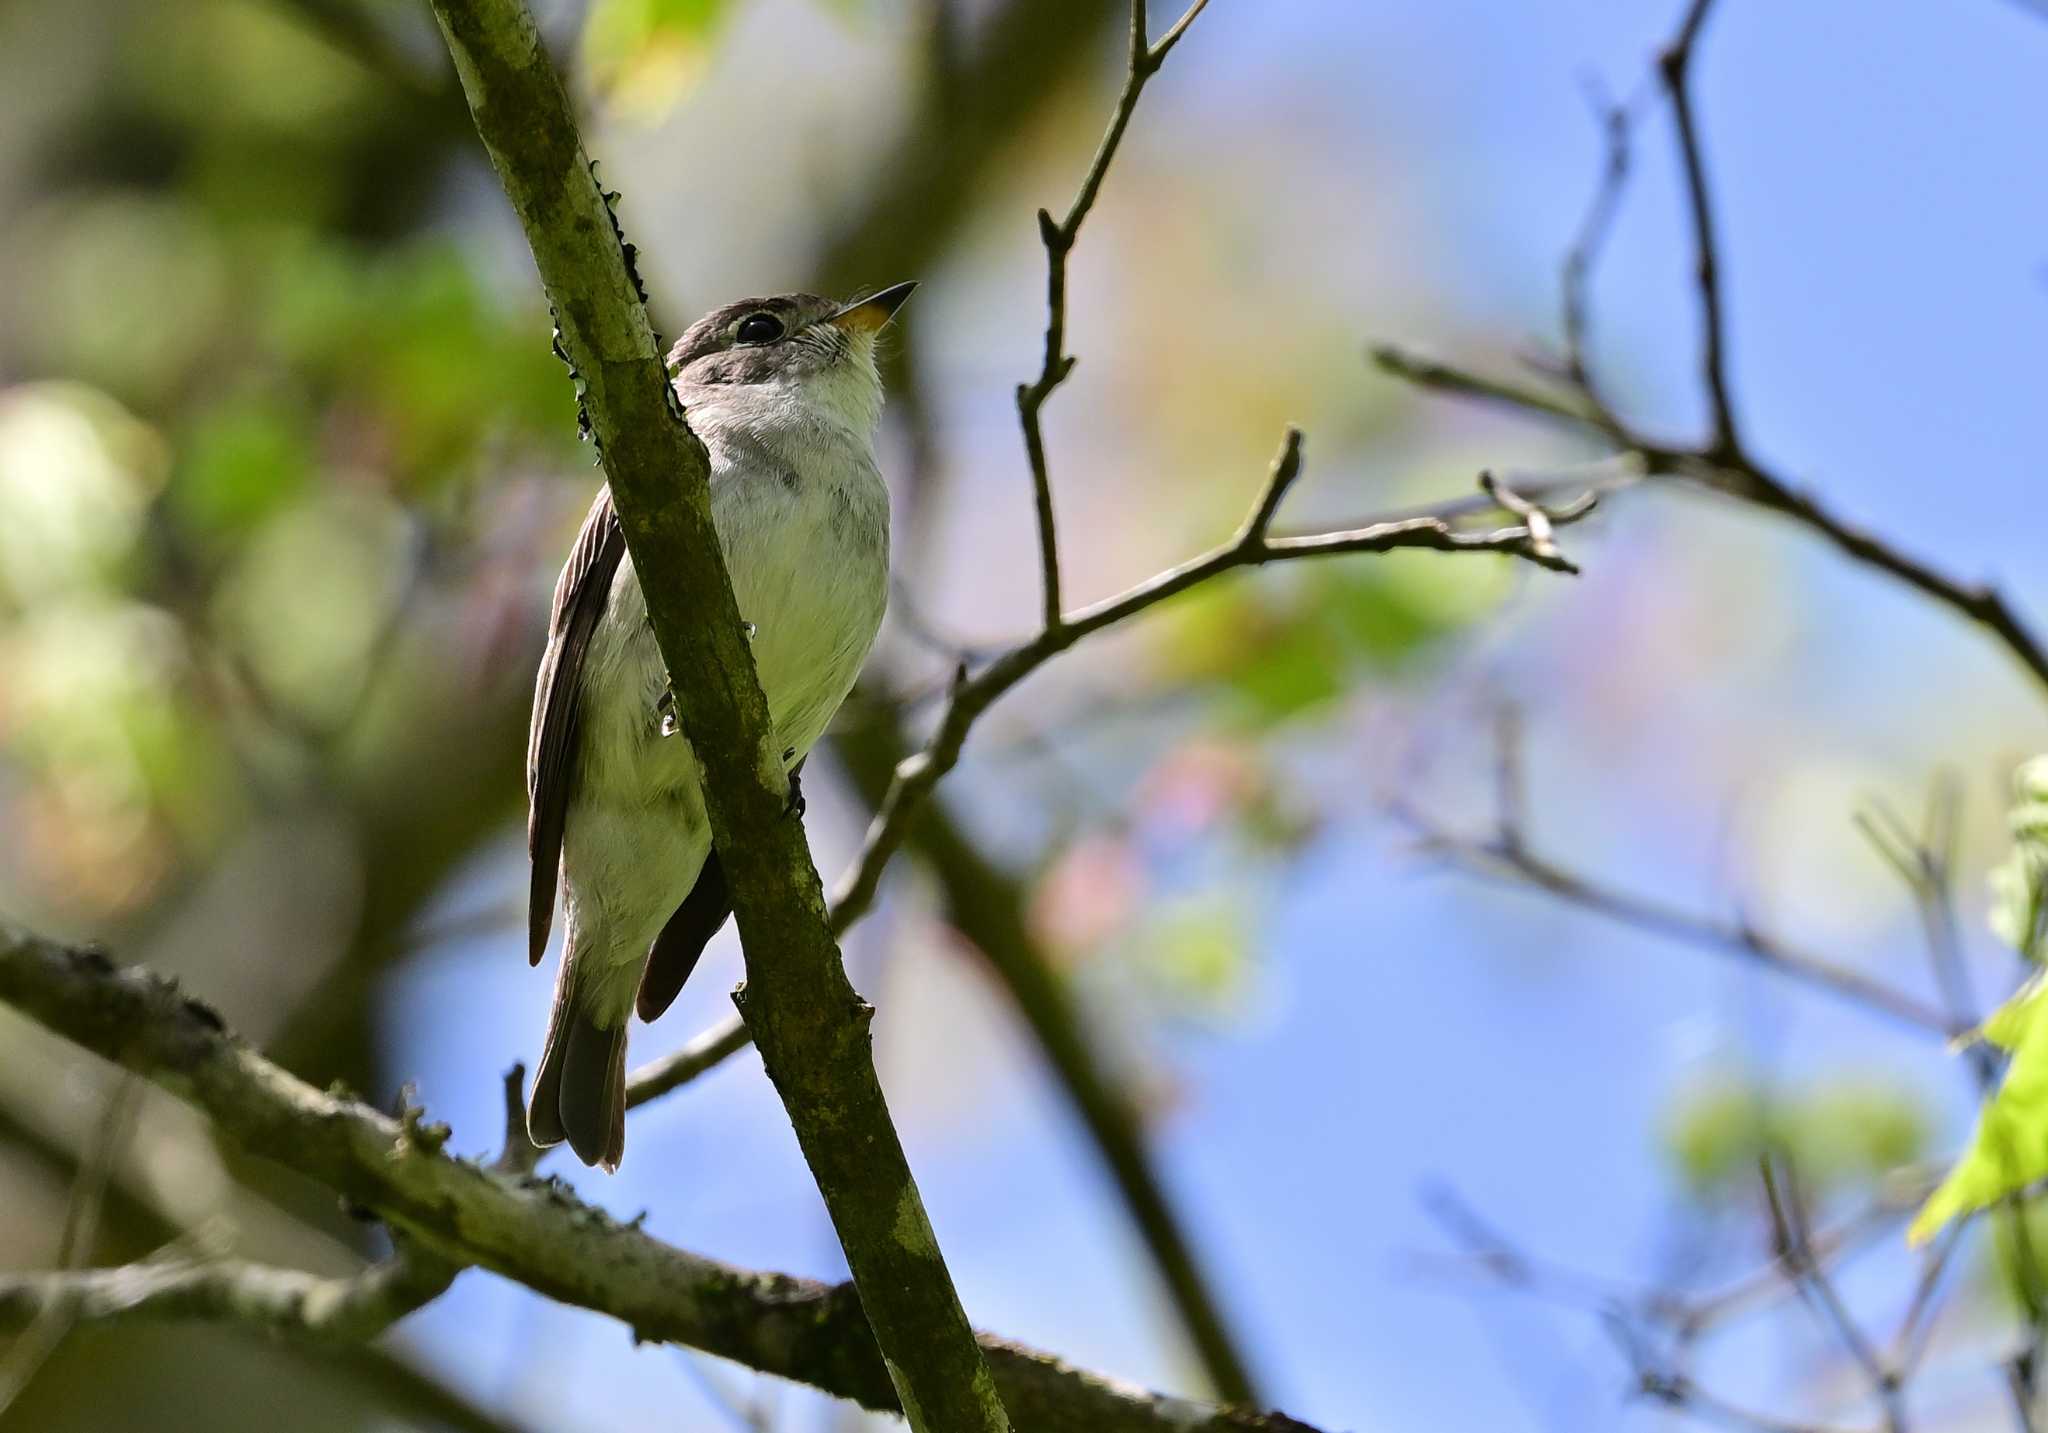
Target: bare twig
[
  {"x": 1792, "y": 1247},
  {"x": 1655, "y": 1327},
  {"x": 1724, "y": 463},
  {"x": 304, "y": 1307},
  {"x": 1058, "y": 238},
  {"x": 1251, "y": 547},
  {"x": 45, "y": 1332},
  {"x": 1577, "y": 279},
  {"x": 1514, "y": 861},
  {"x": 657, "y": 1077},
  {"x": 1675, "y": 65}
]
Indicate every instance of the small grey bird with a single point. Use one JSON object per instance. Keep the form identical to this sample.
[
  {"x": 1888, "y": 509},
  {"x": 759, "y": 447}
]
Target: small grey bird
[{"x": 785, "y": 394}]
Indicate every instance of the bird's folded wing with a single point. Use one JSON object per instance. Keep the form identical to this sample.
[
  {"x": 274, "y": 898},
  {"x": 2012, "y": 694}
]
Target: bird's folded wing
[{"x": 580, "y": 596}]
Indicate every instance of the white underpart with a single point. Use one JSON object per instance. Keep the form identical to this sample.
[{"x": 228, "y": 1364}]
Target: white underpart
[{"x": 803, "y": 515}]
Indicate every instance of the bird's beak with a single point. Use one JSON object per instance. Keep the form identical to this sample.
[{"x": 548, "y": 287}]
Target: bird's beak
[{"x": 869, "y": 314}]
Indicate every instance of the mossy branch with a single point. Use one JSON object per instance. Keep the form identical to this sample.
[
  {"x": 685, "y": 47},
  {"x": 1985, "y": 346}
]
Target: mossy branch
[{"x": 812, "y": 1029}]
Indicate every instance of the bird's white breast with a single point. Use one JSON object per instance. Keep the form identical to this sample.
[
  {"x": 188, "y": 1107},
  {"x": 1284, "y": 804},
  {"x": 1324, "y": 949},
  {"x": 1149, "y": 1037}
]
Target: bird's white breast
[{"x": 805, "y": 528}]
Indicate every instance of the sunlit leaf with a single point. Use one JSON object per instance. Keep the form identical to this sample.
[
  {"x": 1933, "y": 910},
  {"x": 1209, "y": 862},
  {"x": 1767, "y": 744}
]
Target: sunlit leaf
[{"x": 2009, "y": 1149}]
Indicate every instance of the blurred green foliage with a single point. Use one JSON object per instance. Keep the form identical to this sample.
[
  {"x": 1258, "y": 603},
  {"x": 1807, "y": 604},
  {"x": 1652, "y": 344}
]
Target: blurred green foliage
[
  {"x": 1290, "y": 644},
  {"x": 263, "y": 387},
  {"x": 1838, "y": 1133}
]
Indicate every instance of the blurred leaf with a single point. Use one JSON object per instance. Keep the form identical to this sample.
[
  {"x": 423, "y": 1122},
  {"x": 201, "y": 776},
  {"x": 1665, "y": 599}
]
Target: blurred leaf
[
  {"x": 644, "y": 55},
  {"x": 1842, "y": 1131},
  {"x": 424, "y": 367},
  {"x": 309, "y": 596},
  {"x": 77, "y": 472},
  {"x": 248, "y": 65},
  {"x": 243, "y": 460},
  {"x": 2014, "y": 1260},
  {"x": 123, "y": 291},
  {"x": 2019, "y": 884},
  {"x": 99, "y": 712},
  {"x": 1283, "y": 648},
  {"x": 1195, "y": 951}
]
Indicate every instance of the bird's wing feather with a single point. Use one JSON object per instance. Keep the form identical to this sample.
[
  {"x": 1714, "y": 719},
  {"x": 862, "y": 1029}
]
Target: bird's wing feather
[{"x": 580, "y": 596}]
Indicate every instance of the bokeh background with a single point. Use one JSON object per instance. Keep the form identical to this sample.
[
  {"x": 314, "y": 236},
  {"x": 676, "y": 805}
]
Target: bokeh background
[{"x": 286, "y": 469}]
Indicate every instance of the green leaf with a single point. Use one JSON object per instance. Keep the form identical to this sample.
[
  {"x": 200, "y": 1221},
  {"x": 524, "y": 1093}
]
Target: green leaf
[{"x": 2009, "y": 1149}]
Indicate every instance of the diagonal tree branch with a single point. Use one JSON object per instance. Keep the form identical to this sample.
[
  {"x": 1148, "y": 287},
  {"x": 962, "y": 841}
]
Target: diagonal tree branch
[
  {"x": 531, "y": 1230},
  {"x": 811, "y": 1027}
]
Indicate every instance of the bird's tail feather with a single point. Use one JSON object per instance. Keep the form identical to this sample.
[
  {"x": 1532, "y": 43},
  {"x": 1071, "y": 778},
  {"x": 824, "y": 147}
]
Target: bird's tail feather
[{"x": 579, "y": 1093}]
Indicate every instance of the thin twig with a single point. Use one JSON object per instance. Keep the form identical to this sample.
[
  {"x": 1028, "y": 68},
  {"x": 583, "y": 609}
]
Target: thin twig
[
  {"x": 1792, "y": 1245},
  {"x": 1675, "y": 65},
  {"x": 306, "y": 1307},
  {"x": 1516, "y": 862},
  {"x": 1251, "y": 547},
  {"x": 1723, "y": 464},
  {"x": 1059, "y": 237},
  {"x": 46, "y": 1332},
  {"x": 657, "y": 1077}
]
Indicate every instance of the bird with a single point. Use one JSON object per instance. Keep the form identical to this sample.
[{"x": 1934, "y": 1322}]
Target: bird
[{"x": 786, "y": 396}]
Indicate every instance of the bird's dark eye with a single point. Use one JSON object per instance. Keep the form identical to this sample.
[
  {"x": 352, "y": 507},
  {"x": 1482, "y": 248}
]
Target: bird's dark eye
[{"x": 759, "y": 328}]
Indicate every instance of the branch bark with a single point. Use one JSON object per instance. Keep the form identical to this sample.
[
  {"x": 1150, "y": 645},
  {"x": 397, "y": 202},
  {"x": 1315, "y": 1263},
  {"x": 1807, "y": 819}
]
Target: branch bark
[
  {"x": 530, "y": 1230},
  {"x": 810, "y": 1025}
]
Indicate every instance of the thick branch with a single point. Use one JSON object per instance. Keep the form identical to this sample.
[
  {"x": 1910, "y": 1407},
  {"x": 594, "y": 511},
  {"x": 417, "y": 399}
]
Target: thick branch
[
  {"x": 810, "y": 1025},
  {"x": 533, "y": 1230}
]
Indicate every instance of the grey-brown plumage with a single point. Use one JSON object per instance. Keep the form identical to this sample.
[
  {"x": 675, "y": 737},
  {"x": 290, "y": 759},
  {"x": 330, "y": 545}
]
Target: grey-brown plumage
[{"x": 785, "y": 394}]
